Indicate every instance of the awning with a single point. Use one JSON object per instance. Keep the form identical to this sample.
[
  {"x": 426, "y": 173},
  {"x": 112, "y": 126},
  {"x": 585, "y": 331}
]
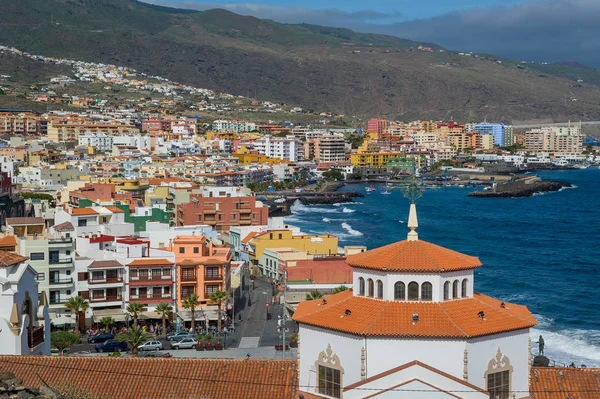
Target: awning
[
  {"x": 60, "y": 320},
  {"x": 150, "y": 315},
  {"x": 201, "y": 314},
  {"x": 116, "y": 314}
]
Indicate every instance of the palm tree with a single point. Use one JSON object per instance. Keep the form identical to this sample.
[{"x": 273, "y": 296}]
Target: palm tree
[
  {"x": 339, "y": 289},
  {"x": 107, "y": 322},
  {"x": 134, "y": 337},
  {"x": 164, "y": 309},
  {"x": 190, "y": 302},
  {"x": 218, "y": 297},
  {"x": 77, "y": 305},
  {"x": 315, "y": 294},
  {"x": 134, "y": 309}
]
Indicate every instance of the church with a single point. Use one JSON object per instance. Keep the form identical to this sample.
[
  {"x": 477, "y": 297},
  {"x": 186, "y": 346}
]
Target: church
[{"x": 413, "y": 327}]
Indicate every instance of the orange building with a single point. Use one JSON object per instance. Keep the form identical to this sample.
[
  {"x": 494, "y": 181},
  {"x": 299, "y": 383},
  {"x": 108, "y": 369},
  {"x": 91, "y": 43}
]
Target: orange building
[{"x": 202, "y": 268}]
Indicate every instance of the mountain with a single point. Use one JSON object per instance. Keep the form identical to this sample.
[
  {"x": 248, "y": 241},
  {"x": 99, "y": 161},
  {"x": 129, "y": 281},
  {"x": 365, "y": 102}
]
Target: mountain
[{"x": 320, "y": 68}]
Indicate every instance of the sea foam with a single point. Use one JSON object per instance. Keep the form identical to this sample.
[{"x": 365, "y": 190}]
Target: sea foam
[{"x": 350, "y": 230}]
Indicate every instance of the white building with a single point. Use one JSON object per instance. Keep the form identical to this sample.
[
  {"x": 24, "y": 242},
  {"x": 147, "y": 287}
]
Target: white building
[
  {"x": 24, "y": 320},
  {"x": 233, "y": 126},
  {"x": 287, "y": 148},
  {"x": 413, "y": 327},
  {"x": 95, "y": 220}
]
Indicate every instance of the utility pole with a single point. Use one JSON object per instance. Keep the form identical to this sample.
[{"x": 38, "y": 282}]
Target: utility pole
[{"x": 283, "y": 316}]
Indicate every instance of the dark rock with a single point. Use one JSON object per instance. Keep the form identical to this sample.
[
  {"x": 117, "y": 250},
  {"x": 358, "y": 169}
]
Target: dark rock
[{"x": 521, "y": 190}]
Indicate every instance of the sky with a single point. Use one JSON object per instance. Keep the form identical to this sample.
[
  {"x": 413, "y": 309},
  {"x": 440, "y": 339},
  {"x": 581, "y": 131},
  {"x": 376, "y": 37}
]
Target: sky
[{"x": 530, "y": 30}]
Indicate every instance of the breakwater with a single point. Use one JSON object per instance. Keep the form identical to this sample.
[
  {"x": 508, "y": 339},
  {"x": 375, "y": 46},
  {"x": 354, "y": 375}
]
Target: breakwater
[{"x": 521, "y": 188}]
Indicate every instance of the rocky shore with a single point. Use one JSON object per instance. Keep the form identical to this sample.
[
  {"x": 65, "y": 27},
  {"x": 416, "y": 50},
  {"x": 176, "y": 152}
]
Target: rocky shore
[
  {"x": 329, "y": 198},
  {"x": 11, "y": 387},
  {"x": 521, "y": 189}
]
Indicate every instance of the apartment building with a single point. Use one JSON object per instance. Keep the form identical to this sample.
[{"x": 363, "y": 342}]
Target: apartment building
[
  {"x": 109, "y": 220},
  {"x": 288, "y": 148},
  {"x": 327, "y": 148},
  {"x": 555, "y": 139},
  {"x": 65, "y": 132},
  {"x": 50, "y": 254},
  {"x": 233, "y": 126}
]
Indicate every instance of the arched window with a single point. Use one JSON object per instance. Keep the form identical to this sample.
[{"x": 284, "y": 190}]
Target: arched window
[
  {"x": 361, "y": 286},
  {"x": 464, "y": 288},
  {"x": 371, "y": 290},
  {"x": 446, "y": 290},
  {"x": 413, "y": 291},
  {"x": 399, "y": 291},
  {"x": 455, "y": 289},
  {"x": 426, "y": 291},
  {"x": 379, "y": 289}
]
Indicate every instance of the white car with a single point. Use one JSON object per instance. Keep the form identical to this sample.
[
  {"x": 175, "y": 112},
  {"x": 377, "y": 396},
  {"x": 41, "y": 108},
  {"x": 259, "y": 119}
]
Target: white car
[
  {"x": 151, "y": 346},
  {"x": 186, "y": 343}
]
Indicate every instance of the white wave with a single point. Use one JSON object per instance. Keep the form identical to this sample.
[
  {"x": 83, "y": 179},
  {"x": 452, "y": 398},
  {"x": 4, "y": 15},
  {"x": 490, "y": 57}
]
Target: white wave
[
  {"x": 567, "y": 188},
  {"x": 297, "y": 207},
  {"x": 401, "y": 221},
  {"x": 347, "y": 210},
  {"x": 350, "y": 230},
  {"x": 326, "y": 220},
  {"x": 569, "y": 345}
]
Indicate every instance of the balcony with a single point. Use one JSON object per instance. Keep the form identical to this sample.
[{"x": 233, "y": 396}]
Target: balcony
[
  {"x": 63, "y": 261},
  {"x": 150, "y": 278},
  {"x": 151, "y": 296},
  {"x": 212, "y": 277},
  {"x": 105, "y": 280},
  {"x": 188, "y": 277},
  {"x": 107, "y": 298},
  {"x": 58, "y": 281},
  {"x": 64, "y": 240},
  {"x": 35, "y": 336},
  {"x": 245, "y": 210},
  {"x": 58, "y": 301}
]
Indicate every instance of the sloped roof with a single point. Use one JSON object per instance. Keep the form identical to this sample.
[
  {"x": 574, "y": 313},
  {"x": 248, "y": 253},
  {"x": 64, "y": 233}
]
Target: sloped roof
[
  {"x": 448, "y": 319},
  {"x": 100, "y": 264},
  {"x": 23, "y": 221},
  {"x": 65, "y": 226},
  {"x": 413, "y": 256},
  {"x": 114, "y": 209},
  {"x": 83, "y": 211},
  {"x": 8, "y": 241},
  {"x": 151, "y": 262},
  {"x": 187, "y": 262},
  {"x": 10, "y": 258},
  {"x": 563, "y": 382},
  {"x": 133, "y": 378}
]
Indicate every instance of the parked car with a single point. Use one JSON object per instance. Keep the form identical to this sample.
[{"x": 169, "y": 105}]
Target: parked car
[
  {"x": 151, "y": 346},
  {"x": 57, "y": 352},
  {"x": 99, "y": 338},
  {"x": 186, "y": 343},
  {"x": 112, "y": 345},
  {"x": 179, "y": 336},
  {"x": 156, "y": 354}
]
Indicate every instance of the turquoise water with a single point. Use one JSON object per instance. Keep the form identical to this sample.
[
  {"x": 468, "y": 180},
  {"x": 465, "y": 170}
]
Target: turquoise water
[{"x": 541, "y": 251}]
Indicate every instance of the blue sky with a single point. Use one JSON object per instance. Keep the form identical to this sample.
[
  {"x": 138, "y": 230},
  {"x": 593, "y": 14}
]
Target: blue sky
[{"x": 532, "y": 30}]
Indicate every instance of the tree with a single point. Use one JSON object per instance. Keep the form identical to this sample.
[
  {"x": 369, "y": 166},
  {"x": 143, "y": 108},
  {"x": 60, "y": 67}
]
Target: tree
[
  {"x": 77, "y": 305},
  {"x": 107, "y": 322},
  {"x": 314, "y": 294},
  {"x": 63, "y": 339},
  {"x": 164, "y": 309},
  {"x": 190, "y": 302},
  {"x": 218, "y": 297},
  {"x": 333, "y": 174},
  {"x": 134, "y": 309},
  {"x": 134, "y": 337},
  {"x": 339, "y": 289}
]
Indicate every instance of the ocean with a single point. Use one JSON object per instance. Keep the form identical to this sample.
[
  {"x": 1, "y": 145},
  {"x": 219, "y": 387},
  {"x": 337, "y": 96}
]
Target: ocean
[{"x": 541, "y": 251}]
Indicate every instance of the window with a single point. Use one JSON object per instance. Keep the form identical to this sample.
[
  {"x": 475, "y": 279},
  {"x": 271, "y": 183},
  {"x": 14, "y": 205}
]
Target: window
[
  {"x": 220, "y": 217},
  {"x": 498, "y": 385},
  {"x": 399, "y": 291},
  {"x": 187, "y": 274},
  {"x": 280, "y": 236},
  {"x": 97, "y": 275},
  {"x": 463, "y": 292},
  {"x": 36, "y": 256},
  {"x": 234, "y": 216},
  {"x": 379, "y": 289},
  {"x": 413, "y": 291},
  {"x": 166, "y": 272},
  {"x": 167, "y": 289},
  {"x": 254, "y": 216},
  {"x": 426, "y": 291},
  {"x": 212, "y": 272},
  {"x": 68, "y": 292},
  {"x": 155, "y": 272},
  {"x": 196, "y": 250},
  {"x": 133, "y": 272},
  {"x": 361, "y": 286},
  {"x": 81, "y": 222},
  {"x": 181, "y": 250},
  {"x": 211, "y": 289},
  {"x": 199, "y": 218},
  {"x": 68, "y": 253},
  {"x": 329, "y": 382},
  {"x": 97, "y": 293},
  {"x": 186, "y": 291},
  {"x": 143, "y": 273},
  {"x": 446, "y": 290},
  {"x": 455, "y": 289},
  {"x": 237, "y": 205},
  {"x": 68, "y": 272},
  {"x": 41, "y": 277},
  {"x": 132, "y": 291},
  {"x": 370, "y": 291}
]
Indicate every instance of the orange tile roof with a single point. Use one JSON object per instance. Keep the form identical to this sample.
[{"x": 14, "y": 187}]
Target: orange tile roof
[
  {"x": 187, "y": 262},
  {"x": 159, "y": 378},
  {"x": 8, "y": 241},
  {"x": 10, "y": 259},
  {"x": 413, "y": 256},
  {"x": 151, "y": 262},
  {"x": 562, "y": 382},
  {"x": 449, "y": 319},
  {"x": 83, "y": 211},
  {"x": 250, "y": 236}
]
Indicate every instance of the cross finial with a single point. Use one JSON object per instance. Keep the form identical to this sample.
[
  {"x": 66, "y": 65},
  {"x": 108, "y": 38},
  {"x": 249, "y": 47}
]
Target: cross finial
[{"x": 413, "y": 191}]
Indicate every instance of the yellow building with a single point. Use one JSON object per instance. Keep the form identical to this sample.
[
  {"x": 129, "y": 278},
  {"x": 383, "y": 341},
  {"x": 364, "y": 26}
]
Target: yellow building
[
  {"x": 157, "y": 192},
  {"x": 248, "y": 159},
  {"x": 373, "y": 159},
  {"x": 313, "y": 244},
  {"x": 220, "y": 135}
]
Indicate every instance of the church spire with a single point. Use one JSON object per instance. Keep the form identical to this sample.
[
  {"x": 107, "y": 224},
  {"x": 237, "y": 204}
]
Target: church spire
[{"x": 412, "y": 224}]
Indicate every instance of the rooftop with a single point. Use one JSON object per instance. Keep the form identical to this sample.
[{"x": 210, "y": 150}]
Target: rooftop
[
  {"x": 65, "y": 226},
  {"x": 151, "y": 262},
  {"x": 10, "y": 259},
  {"x": 561, "y": 382},
  {"x": 23, "y": 221},
  {"x": 101, "y": 264},
  {"x": 413, "y": 256},
  {"x": 159, "y": 378},
  {"x": 449, "y": 319}
]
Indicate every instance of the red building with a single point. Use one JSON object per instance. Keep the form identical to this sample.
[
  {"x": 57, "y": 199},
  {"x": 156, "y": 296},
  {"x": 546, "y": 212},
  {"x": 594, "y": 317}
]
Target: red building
[
  {"x": 222, "y": 212},
  {"x": 152, "y": 125},
  {"x": 378, "y": 125}
]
